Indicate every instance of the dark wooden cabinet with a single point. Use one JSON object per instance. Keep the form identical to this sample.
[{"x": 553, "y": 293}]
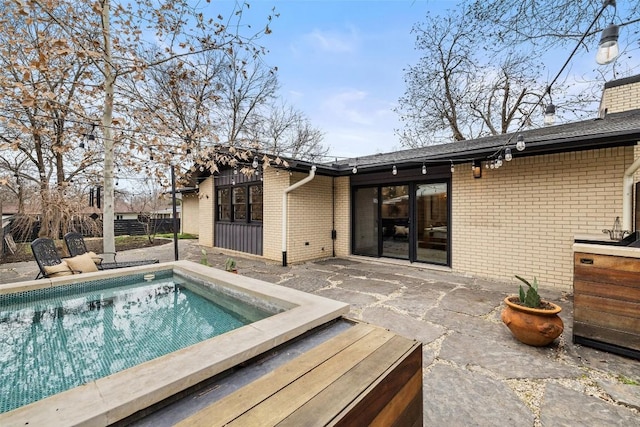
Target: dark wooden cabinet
[{"x": 607, "y": 302}]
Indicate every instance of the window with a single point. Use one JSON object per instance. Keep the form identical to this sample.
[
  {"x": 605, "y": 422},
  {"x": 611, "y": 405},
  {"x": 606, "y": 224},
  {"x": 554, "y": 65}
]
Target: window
[
  {"x": 224, "y": 204},
  {"x": 255, "y": 202},
  {"x": 119, "y": 217},
  {"x": 241, "y": 203}
]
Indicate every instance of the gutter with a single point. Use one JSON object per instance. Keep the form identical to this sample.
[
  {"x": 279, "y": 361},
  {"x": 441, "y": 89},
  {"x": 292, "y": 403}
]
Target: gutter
[
  {"x": 312, "y": 174},
  {"x": 627, "y": 196}
]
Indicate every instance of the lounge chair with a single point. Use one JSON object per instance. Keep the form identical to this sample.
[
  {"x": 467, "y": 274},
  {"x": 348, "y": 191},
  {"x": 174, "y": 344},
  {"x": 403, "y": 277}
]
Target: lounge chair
[
  {"x": 49, "y": 261},
  {"x": 76, "y": 246}
]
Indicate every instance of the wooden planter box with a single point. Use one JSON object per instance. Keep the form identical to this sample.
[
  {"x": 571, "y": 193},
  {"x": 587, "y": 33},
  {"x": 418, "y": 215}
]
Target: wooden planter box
[
  {"x": 607, "y": 302},
  {"x": 366, "y": 375}
]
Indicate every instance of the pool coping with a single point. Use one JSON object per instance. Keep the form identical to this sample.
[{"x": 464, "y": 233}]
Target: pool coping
[{"x": 115, "y": 397}]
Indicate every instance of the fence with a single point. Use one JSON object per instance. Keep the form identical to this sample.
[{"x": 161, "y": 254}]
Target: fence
[{"x": 122, "y": 227}]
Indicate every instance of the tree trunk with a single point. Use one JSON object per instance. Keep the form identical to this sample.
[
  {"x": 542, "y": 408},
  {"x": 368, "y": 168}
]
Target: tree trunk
[{"x": 108, "y": 233}]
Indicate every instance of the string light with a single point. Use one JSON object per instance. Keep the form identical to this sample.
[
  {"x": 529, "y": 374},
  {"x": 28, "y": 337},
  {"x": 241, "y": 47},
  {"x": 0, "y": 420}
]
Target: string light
[
  {"x": 453, "y": 169},
  {"x": 394, "y": 170},
  {"x": 520, "y": 145},
  {"x": 355, "y": 169},
  {"x": 424, "y": 169},
  {"x": 507, "y": 154}
]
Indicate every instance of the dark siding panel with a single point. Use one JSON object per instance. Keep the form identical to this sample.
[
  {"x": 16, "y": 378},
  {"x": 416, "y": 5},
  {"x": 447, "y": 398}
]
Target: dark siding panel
[{"x": 239, "y": 237}]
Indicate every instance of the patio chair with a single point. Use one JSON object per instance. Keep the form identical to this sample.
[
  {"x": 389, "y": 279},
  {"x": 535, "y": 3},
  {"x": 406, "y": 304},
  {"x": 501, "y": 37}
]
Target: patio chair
[
  {"x": 49, "y": 261},
  {"x": 76, "y": 246}
]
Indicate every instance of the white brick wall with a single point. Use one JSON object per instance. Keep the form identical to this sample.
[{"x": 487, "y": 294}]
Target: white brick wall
[
  {"x": 190, "y": 212},
  {"x": 522, "y": 218},
  {"x": 206, "y": 212}
]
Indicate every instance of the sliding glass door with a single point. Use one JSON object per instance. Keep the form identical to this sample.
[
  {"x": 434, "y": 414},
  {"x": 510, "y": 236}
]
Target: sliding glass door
[{"x": 407, "y": 221}]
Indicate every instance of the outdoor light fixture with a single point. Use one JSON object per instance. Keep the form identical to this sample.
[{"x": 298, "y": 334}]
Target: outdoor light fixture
[
  {"x": 394, "y": 170},
  {"x": 608, "y": 47},
  {"x": 507, "y": 154},
  {"x": 550, "y": 115},
  {"x": 255, "y": 162},
  {"x": 424, "y": 169},
  {"x": 476, "y": 169},
  {"x": 520, "y": 145}
]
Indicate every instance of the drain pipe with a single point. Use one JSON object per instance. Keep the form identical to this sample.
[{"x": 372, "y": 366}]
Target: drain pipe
[
  {"x": 312, "y": 174},
  {"x": 627, "y": 196}
]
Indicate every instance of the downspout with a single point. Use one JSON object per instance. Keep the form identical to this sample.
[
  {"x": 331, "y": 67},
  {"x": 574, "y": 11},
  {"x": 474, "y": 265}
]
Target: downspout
[
  {"x": 627, "y": 196},
  {"x": 312, "y": 174}
]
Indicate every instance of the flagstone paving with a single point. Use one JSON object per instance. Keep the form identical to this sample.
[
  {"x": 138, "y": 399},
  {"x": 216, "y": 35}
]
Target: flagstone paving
[{"x": 475, "y": 372}]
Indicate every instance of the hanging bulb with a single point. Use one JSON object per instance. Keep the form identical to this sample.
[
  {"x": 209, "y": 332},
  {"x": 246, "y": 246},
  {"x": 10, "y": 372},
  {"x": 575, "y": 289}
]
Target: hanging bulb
[
  {"x": 355, "y": 169},
  {"x": 233, "y": 181},
  {"x": 235, "y": 171},
  {"x": 608, "y": 47},
  {"x": 255, "y": 162},
  {"x": 201, "y": 168},
  {"x": 424, "y": 169},
  {"x": 486, "y": 164},
  {"x": 499, "y": 161},
  {"x": 550, "y": 115},
  {"x": 394, "y": 170},
  {"x": 453, "y": 169},
  {"x": 507, "y": 154},
  {"x": 520, "y": 145},
  {"x": 492, "y": 164}
]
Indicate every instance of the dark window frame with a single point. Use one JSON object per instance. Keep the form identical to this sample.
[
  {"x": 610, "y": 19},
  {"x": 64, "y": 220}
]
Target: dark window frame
[{"x": 248, "y": 214}]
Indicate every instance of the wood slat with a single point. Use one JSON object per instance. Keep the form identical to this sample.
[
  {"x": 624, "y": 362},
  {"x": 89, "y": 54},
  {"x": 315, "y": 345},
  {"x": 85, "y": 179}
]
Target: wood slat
[
  {"x": 606, "y": 335},
  {"x": 607, "y": 320},
  {"x": 242, "y": 400},
  {"x": 609, "y": 290},
  {"x": 403, "y": 403},
  {"x": 607, "y": 262},
  {"x": 280, "y": 405},
  {"x": 348, "y": 388},
  {"x": 607, "y": 307}
]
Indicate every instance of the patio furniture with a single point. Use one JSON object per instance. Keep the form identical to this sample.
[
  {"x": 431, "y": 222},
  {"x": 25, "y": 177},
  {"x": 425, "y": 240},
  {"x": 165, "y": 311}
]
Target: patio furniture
[
  {"x": 76, "y": 246},
  {"x": 48, "y": 259}
]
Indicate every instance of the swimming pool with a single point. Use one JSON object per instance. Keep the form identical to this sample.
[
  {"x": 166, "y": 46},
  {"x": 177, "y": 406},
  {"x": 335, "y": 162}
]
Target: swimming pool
[
  {"x": 54, "y": 339},
  {"x": 114, "y": 397}
]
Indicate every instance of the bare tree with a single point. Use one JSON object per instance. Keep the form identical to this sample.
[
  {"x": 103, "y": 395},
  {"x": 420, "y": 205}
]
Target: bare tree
[{"x": 460, "y": 89}]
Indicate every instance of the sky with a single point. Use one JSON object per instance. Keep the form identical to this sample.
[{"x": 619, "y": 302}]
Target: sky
[{"x": 341, "y": 63}]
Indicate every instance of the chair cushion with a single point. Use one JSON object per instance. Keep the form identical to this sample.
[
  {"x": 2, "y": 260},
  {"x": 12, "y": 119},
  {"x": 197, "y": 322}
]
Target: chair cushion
[
  {"x": 82, "y": 263},
  {"x": 96, "y": 259},
  {"x": 58, "y": 270}
]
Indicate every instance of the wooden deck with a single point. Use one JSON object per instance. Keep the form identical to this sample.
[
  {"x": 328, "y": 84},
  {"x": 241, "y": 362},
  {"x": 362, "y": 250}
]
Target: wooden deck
[{"x": 364, "y": 376}]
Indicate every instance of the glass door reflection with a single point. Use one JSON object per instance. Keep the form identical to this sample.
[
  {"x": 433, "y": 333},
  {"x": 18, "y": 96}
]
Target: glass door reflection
[
  {"x": 396, "y": 233},
  {"x": 432, "y": 223}
]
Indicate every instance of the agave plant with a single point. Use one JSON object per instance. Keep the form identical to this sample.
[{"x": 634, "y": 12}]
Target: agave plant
[{"x": 530, "y": 298}]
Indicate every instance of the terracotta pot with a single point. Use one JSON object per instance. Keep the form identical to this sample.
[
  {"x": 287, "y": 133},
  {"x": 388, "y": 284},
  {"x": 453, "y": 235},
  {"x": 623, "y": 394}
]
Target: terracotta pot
[{"x": 533, "y": 326}]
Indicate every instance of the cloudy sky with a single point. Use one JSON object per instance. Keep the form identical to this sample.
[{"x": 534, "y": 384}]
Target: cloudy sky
[{"x": 342, "y": 64}]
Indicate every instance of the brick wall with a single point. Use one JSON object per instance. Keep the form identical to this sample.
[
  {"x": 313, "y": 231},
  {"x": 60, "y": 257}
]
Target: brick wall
[
  {"x": 522, "y": 218},
  {"x": 343, "y": 216},
  {"x": 206, "y": 212},
  {"x": 274, "y": 184},
  {"x": 621, "y": 95},
  {"x": 189, "y": 213}
]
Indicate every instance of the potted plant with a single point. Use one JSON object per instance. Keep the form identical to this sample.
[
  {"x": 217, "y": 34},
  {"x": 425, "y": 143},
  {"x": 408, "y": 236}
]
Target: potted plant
[
  {"x": 531, "y": 319},
  {"x": 230, "y": 265}
]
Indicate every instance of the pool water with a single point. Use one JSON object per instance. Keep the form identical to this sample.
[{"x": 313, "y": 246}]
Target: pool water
[{"x": 56, "y": 339}]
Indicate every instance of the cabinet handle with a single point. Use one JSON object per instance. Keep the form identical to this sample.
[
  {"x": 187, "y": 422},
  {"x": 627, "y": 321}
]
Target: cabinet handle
[{"x": 586, "y": 261}]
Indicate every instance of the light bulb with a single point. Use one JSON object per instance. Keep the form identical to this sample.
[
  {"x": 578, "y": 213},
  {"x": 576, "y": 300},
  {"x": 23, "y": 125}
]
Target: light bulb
[
  {"x": 424, "y": 169},
  {"x": 520, "y": 145},
  {"x": 255, "y": 162},
  {"x": 492, "y": 165},
  {"x": 453, "y": 169},
  {"x": 507, "y": 154},
  {"x": 201, "y": 168},
  {"x": 235, "y": 171},
  {"x": 354, "y": 170},
  {"x": 608, "y": 47},
  {"x": 550, "y": 115},
  {"x": 499, "y": 161},
  {"x": 394, "y": 170}
]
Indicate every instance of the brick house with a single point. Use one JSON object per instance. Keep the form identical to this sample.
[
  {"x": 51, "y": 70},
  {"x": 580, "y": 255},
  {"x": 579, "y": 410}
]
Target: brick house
[{"x": 426, "y": 206}]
